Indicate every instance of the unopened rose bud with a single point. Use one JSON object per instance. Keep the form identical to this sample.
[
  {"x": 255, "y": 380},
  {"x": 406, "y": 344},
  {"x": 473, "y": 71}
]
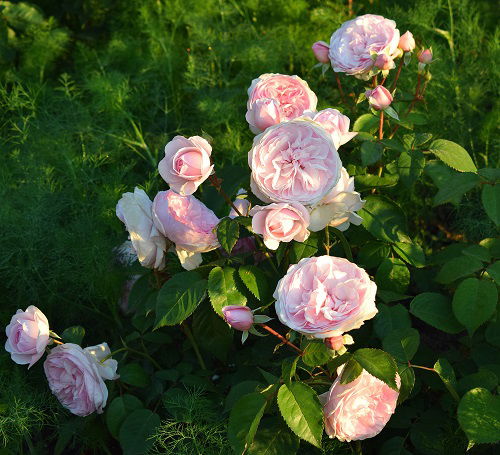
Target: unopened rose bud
[
  {"x": 238, "y": 317},
  {"x": 334, "y": 343},
  {"x": 384, "y": 62},
  {"x": 321, "y": 49},
  {"x": 407, "y": 42},
  {"x": 379, "y": 98},
  {"x": 425, "y": 56}
]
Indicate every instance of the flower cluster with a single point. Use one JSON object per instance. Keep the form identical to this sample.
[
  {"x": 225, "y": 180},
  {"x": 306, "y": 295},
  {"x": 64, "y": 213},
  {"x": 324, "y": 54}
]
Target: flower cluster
[{"x": 75, "y": 375}]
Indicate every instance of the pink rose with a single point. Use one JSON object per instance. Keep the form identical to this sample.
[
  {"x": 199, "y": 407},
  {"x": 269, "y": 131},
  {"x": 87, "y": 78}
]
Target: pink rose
[
  {"x": 354, "y": 43},
  {"x": 188, "y": 223},
  {"x": 294, "y": 162},
  {"x": 75, "y": 377},
  {"x": 384, "y": 62},
  {"x": 186, "y": 164},
  {"x": 325, "y": 296},
  {"x": 336, "y": 124},
  {"x": 425, "y": 56},
  {"x": 276, "y": 98},
  {"x": 338, "y": 208},
  {"x": 280, "y": 222},
  {"x": 407, "y": 42},
  {"x": 321, "y": 50},
  {"x": 134, "y": 210},
  {"x": 27, "y": 336},
  {"x": 238, "y": 317},
  {"x": 379, "y": 98},
  {"x": 360, "y": 409}
]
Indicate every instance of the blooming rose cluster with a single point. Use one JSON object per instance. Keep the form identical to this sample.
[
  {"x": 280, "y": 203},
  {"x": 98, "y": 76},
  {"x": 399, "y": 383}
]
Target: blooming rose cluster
[{"x": 75, "y": 375}]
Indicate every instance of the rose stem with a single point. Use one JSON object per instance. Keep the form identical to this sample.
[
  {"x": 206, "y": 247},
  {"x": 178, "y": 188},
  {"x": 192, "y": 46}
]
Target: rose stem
[
  {"x": 344, "y": 242},
  {"x": 327, "y": 240},
  {"x": 397, "y": 74},
  {"x": 214, "y": 181},
  {"x": 282, "y": 338},
  {"x": 416, "y": 98},
  {"x": 450, "y": 388},
  {"x": 381, "y": 126},
  {"x": 339, "y": 85},
  {"x": 194, "y": 345},
  {"x": 55, "y": 341}
]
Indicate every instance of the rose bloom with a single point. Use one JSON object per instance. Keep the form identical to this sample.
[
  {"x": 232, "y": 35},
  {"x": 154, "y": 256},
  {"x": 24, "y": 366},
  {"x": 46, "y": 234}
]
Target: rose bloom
[
  {"x": 334, "y": 123},
  {"x": 75, "y": 377},
  {"x": 186, "y": 164},
  {"x": 188, "y": 223},
  {"x": 294, "y": 162},
  {"x": 360, "y": 409},
  {"x": 407, "y": 42},
  {"x": 384, "y": 62},
  {"x": 280, "y": 222},
  {"x": 379, "y": 98},
  {"x": 321, "y": 50},
  {"x": 27, "y": 336},
  {"x": 354, "y": 43},
  {"x": 238, "y": 317},
  {"x": 338, "y": 208},
  {"x": 325, "y": 296},
  {"x": 275, "y": 98},
  {"x": 134, "y": 210}
]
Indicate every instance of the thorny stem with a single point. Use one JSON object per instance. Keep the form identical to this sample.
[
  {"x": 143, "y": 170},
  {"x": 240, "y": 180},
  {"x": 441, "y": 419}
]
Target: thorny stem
[
  {"x": 282, "y": 338},
  {"x": 194, "y": 345},
  {"x": 339, "y": 85},
  {"x": 327, "y": 240},
  {"x": 215, "y": 183},
  {"x": 416, "y": 97},
  {"x": 381, "y": 126},
  {"x": 400, "y": 66}
]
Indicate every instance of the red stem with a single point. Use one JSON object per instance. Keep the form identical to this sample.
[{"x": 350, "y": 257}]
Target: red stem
[
  {"x": 281, "y": 337},
  {"x": 381, "y": 126},
  {"x": 397, "y": 74},
  {"x": 215, "y": 182},
  {"x": 339, "y": 85}
]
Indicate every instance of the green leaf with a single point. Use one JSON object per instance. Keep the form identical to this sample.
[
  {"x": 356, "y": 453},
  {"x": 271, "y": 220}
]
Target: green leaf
[
  {"x": 407, "y": 376},
  {"x": 366, "y": 122},
  {"x": 447, "y": 374},
  {"x": 370, "y": 152},
  {"x": 299, "y": 250},
  {"x": 479, "y": 416},
  {"x": 256, "y": 281},
  {"x": 477, "y": 252},
  {"x": 453, "y": 155},
  {"x": 211, "y": 332},
  {"x": 372, "y": 254},
  {"x": 494, "y": 272},
  {"x": 300, "y": 407},
  {"x": 366, "y": 181},
  {"x": 410, "y": 253},
  {"x": 483, "y": 378},
  {"x": 402, "y": 344},
  {"x": 351, "y": 371},
  {"x": 491, "y": 202},
  {"x": 133, "y": 374},
  {"x": 73, "y": 334},
  {"x": 118, "y": 410},
  {"x": 140, "y": 292},
  {"x": 222, "y": 289},
  {"x": 137, "y": 430},
  {"x": 455, "y": 187},
  {"x": 379, "y": 364},
  {"x": 492, "y": 333},
  {"x": 228, "y": 231},
  {"x": 490, "y": 174},
  {"x": 394, "y": 275},
  {"x": 474, "y": 302},
  {"x": 288, "y": 369},
  {"x": 458, "y": 268},
  {"x": 178, "y": 298},
  {"x": 238, "y": 390},
  {"x": 383, "y": 218},
  {"x": 274, "y": 438},
  {"x": 390, "y": 318},
  {"x": 435, "y": 309},
  {"x": 493, "y": 245},
  {"x": 316, "y": 353},
  {"x": 244, "y": 421},
  {"x": 410, "y": 166}
]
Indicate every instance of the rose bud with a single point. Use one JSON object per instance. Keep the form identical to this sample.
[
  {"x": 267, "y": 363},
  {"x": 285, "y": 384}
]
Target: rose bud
[
  {"x": 379, "y": 98},
  {"x": 186, "y": 164},
  {"x": 321, "y": 49},
  {"x": 27, "y": 336},
  {"x": 384, "y": 62},
  {"x": 334, "y": 343},
  {"x": 425, "y": 56},
  {"x": 238, "y": 317},
  {"x": 407, "y": 42}
]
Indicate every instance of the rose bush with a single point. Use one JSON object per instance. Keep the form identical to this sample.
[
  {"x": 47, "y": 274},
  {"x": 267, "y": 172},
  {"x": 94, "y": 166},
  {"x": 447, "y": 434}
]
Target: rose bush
[{"x": 356, "y": 326}]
